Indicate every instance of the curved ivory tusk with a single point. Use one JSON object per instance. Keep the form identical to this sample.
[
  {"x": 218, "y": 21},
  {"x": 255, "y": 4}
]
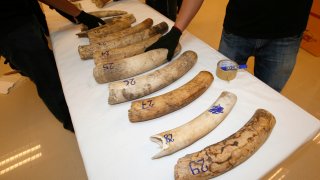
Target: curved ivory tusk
[
  {"x": 114, "y": 26},
  {"x": 124, "y": 52},
  {"x": 158, "y": 106},
  {"x": 132, "y": 66},
  {"x": 176, "y": 139},
  {"x": 86, "y": 51},
  {"x": 107, "y": 13},
  {"x": 228, "y": 153},
  {"x": 130, "y": 89}
]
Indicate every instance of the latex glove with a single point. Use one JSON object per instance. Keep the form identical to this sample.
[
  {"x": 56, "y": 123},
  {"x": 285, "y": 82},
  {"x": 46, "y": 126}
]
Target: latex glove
[
  {"x": 168, "y": 41},
  {"x": 89, "y": 20}
]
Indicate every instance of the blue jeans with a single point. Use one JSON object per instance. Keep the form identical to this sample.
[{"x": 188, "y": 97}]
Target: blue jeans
[{"x": 274, "y": 58}]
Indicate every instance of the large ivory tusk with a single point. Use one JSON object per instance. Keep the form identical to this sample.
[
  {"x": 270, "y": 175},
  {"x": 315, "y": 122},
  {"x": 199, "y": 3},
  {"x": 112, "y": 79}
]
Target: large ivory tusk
[
  {"x": 195, "y": 129},
  {"x": 111, "y": 23},
  {"x": 158, "y": 106},
  {"x": 147, "y": 23},
  {"x": 129, "y": 67},
  {"x": 224, "y": 155},
  {"x": 107, "y": 13},
  {"x": 124, "y": 17},
  {"x": 86, "y": 51},
  {"x": 130, "y": 89},
  {"x": 124, "y": 52},
  {"x": 114, "y": 26}
]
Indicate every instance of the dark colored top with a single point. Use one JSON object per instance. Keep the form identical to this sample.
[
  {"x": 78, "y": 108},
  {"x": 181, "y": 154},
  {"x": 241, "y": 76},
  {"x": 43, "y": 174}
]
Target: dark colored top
[
  {"x": 267, "y": 18},
  {"x": 14, "y": 14}
]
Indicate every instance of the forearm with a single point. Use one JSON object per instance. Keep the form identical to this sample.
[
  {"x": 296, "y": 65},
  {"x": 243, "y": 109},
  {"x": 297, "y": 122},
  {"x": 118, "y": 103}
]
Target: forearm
[
  {"x": 64, "y": 6},
  {"x": 189, "y": 9}
]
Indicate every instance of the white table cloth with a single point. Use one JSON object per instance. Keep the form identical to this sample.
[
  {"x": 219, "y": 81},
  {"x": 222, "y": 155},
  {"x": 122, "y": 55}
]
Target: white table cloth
[{"x": 114, "y": 148}]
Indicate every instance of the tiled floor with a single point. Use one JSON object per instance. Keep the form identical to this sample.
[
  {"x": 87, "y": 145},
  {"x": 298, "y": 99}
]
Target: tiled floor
[{"x": 35, "y": 146}]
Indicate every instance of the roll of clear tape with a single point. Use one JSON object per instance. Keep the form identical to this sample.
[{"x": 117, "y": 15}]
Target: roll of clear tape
[{"x": 226, "y": 75}]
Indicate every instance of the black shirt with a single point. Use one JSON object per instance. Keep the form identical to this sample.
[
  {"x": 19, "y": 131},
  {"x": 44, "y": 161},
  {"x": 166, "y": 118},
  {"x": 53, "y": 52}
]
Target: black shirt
[
  {"x": 15, "y": 14},
  {"x": 267, "y": 18}
]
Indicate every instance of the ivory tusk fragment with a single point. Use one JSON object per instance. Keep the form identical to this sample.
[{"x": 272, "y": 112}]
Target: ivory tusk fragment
[
  {"x": 141, "y": 110},
  {"x": 195, "y": 129},
  {"x": 137, "y": 87},
  {"x": 228, "y": 153}
]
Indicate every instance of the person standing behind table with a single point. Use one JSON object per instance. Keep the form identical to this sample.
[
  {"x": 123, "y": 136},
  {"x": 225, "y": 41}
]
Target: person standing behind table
[
  {"x": 169, "y": 8},
  {"x": 24, "y": 46},
  {"x": 269, "y": 30}
]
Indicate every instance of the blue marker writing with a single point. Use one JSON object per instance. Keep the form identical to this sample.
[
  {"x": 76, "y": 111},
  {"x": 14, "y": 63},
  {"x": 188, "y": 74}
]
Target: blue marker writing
[
  {"x": 195, "y": 170},
  {"x": 168, "y": 138},
  {"x": 216, "y": 109},
  {"x": 228, "y": 68}
]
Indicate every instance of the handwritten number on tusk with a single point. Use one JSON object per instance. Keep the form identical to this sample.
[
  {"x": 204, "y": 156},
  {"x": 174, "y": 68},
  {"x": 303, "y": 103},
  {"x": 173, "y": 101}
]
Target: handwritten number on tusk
[
  {"x": 147, "y": 104},
  {"x": 168, "y": 138},
  {"x": 130, "y": 82},
  {"x": 105, "y": 53},
  {"x": 108, "y": 66},
  {"x": 195, "y": 170},
  {"x": 216, "y": 109}
]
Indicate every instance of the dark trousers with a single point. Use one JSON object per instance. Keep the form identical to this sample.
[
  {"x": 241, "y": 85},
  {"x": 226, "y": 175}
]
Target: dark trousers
[
  {"x": 27, "y": 50},
  {"x": 169, "y": 8}
]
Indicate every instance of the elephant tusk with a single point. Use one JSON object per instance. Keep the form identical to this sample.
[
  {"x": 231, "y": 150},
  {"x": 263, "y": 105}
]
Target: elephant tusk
[
  {"x": 147, "y": 37},
  {"x": 130, "y": 89},
  {"x": 147, "y": 23},
  {"x": 107, "y": 13},
  {"x": 124, "y": 52},
  {"x": 228, "y": 153},
  {"x": 132, "y": 66},
  {"x": 158, "y": 106},
  {"x": 125, "y": 17},
  {"x": 86, "y": 51},
  {"x": 114, "y": 26},
  {"x": 195, "y": 129}
]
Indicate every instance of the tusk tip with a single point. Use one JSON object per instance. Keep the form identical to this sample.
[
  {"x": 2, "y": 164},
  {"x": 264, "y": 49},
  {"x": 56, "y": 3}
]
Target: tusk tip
[{"x": 161, "y": 142}]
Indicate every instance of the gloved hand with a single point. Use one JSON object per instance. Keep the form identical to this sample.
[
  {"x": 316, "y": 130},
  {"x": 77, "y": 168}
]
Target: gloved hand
[
  {"x": 168, "y": 41},
  {"x": 89, "y": 20}
]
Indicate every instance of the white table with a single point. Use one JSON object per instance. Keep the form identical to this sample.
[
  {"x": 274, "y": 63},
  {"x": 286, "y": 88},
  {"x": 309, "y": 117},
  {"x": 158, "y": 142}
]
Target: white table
[{"x": 114, "y": 148}]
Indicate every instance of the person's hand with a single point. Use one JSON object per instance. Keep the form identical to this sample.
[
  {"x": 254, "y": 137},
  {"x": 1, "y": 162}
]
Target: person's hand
[
  {"x": 168, "y": 41},
  {"x": 89, "y": 20}
]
